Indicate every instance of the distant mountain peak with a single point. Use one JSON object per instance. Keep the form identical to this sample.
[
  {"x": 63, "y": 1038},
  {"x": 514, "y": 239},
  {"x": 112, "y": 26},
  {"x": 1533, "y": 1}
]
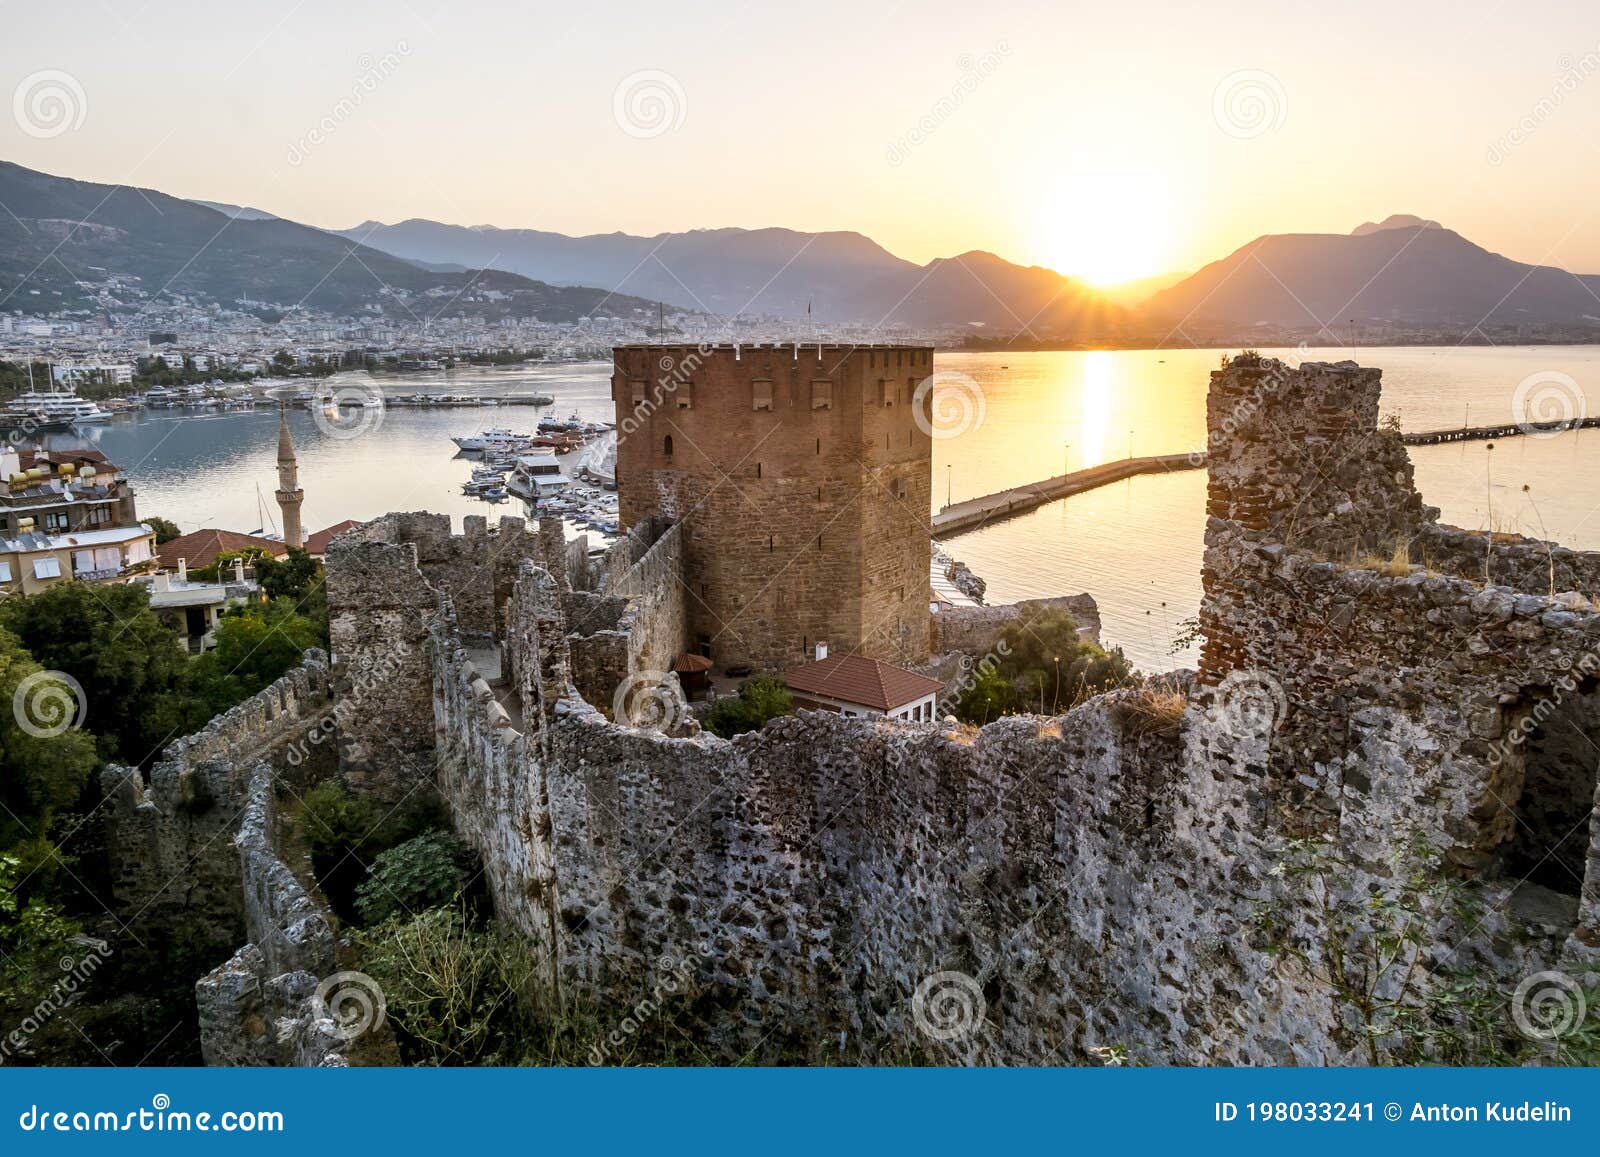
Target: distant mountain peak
[{"x": 1394, "y": 221}]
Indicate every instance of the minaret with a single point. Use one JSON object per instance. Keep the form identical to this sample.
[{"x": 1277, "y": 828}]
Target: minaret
[{"x": 290, "y": 496}]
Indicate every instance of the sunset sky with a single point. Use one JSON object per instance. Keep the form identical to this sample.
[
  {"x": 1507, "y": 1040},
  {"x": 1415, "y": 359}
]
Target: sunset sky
[{"x": 1111, "y": 141}]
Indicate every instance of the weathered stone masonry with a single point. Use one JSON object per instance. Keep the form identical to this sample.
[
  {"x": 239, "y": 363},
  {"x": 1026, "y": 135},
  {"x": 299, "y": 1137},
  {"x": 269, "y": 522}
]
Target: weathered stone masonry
[{"x": 1104, "y": 878}]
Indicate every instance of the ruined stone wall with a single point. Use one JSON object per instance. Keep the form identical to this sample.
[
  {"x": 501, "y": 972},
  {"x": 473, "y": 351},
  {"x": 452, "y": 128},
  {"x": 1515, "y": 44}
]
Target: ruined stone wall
[
  {"x": 195, "y": 855},
  {"x": 973, "y": 630},
  {"x": 1507, "y": 560},
  {"x": 1299, "y": 454},
  {"x": 384, "y": 578},
  {"x": 170, "y": 842}
]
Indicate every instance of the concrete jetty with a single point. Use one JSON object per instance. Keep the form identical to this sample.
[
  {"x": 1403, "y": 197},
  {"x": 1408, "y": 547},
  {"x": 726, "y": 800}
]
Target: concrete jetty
[{"x": 960, "y": 517}]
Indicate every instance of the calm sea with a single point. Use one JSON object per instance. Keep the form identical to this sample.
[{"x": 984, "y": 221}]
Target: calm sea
[{"x": 1135, "y": 545}]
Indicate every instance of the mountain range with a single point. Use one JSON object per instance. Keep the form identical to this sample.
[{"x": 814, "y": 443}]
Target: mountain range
[
  {"x": 835, "y": 276},
  {"x": 58, "y": 236},
  {"x": 1404, "y": 270}
]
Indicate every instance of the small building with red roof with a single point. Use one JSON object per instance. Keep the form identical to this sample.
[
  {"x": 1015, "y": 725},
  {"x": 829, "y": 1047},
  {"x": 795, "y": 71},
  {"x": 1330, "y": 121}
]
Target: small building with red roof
[{"x": 856, "y": 685}]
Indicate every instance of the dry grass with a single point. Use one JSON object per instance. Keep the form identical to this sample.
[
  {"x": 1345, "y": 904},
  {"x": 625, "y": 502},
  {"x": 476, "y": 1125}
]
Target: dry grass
[
  {"x": 1153, "y": 710},
  {"x": 1396, "y": 565}
]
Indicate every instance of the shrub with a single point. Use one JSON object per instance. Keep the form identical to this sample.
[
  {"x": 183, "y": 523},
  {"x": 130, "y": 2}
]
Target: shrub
[
  {"x": 424, "y": 872},
  {"x": 347, "y": 833},
  {"x": 760, "y": 698}
]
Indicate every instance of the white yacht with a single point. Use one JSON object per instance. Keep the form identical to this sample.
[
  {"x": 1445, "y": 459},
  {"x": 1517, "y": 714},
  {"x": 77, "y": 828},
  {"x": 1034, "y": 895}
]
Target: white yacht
[
  {"x": 58, "y": 405},
  {"x": 496, "y": 439}
]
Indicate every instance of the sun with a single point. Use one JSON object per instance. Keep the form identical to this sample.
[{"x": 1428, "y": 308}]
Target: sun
[{"x": 1107, "y": 223}]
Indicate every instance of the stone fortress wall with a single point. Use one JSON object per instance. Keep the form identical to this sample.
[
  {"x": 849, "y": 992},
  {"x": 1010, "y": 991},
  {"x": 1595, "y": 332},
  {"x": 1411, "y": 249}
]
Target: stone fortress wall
[
  {"x": 1366, "y": 736},
  {"x": 197, "y": 856}
]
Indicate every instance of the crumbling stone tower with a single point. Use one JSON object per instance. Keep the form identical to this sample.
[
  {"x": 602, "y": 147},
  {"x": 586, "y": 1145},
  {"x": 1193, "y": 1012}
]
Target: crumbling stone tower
[{"x": 803, "y": 481}]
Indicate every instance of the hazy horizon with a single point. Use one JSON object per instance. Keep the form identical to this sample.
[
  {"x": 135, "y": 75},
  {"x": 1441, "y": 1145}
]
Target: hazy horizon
[{"x": 1109, "y": 145}]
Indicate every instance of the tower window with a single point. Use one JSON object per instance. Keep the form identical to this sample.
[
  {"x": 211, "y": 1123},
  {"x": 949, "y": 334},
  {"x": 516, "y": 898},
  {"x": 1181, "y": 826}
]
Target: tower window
[
  {"x": 758, "y": 470},
  {"x": 769, "y": 544},
  {"x": 685, "y": 395},
  {"x": 761, "y": 394},
  {"x": 666, "y": 445},
  {"x": 821, "y": 395}
]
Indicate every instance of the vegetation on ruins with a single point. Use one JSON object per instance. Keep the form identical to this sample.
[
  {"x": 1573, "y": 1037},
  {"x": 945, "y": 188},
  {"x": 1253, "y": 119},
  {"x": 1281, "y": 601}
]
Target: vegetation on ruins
[
  {"x": 1041, "y": 665},
  {"x": 135, "y": 692},
  {"x": 760, "y": 698},
  {"x": 1403, "y": 1000}
]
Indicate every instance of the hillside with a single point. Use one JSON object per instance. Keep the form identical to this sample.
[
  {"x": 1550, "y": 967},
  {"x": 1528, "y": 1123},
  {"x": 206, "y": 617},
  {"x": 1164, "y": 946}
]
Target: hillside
[
  {"x": 69, "y": 243},
  {"x": 1404, "y": 270}
]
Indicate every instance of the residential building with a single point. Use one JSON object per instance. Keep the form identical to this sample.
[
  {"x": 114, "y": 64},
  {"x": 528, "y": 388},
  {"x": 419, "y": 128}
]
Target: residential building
[
  {"x": 856, "y": 685},
  {"x": 67, "y": 515}
]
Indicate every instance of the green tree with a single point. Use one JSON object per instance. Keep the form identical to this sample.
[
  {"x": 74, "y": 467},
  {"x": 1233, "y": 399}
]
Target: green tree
[
  {"x": 298, "y": 579},
  {"x": 165, "y": 530},
  {"x": 132, "y": 672},
  {"x": 760, "y": 698},
  {"x": 990, "y": 696},
  {"x": 1050, "y": 666},
  {"x": 256, "y": 645},
  {"x": 42, "y": 771}
]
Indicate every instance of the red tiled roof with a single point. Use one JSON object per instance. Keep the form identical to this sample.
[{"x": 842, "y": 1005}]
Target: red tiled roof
[
  {"x": 318, "y": 542},
  {"x": 203, "y": 546},
  {"x": 867, "y": 682}
]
